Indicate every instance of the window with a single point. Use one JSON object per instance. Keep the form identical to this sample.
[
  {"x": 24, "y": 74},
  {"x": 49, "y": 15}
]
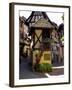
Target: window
[{"x": 46, "y": 56}]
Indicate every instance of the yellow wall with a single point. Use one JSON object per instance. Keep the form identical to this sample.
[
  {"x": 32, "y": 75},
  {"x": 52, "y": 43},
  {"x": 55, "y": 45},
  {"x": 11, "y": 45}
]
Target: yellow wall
[
  {"x": 42, "y": 60},
  {"x": 48, "y": 53}
]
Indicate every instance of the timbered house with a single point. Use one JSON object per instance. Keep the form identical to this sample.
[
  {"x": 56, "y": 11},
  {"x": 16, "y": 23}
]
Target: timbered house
[
  {"x": 23, "y": 37},
  {"x": 40, "y": 30}
]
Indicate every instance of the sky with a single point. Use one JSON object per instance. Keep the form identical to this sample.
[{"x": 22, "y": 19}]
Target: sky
[{"x": 53, "y": 16}]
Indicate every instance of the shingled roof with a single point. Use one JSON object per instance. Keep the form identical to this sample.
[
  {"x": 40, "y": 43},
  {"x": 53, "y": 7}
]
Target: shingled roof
[{"x": 40, "y": 19}]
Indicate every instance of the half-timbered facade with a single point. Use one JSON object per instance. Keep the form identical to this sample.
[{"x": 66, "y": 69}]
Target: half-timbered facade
[{"x": 40, "y": 30}]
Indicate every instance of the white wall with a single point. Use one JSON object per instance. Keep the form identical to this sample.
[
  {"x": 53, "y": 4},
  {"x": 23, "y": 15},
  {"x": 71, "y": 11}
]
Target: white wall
[{"x": 4, "y": 43}]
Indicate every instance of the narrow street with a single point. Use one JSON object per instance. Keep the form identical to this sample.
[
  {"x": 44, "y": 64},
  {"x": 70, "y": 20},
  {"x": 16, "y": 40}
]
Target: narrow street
[{"x": 26, "y": 70}]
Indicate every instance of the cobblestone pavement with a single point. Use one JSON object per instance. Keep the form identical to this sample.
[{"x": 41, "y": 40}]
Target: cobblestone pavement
[
  {"x": 57, "y": 71},
  {"x": 25, "y": 70}
]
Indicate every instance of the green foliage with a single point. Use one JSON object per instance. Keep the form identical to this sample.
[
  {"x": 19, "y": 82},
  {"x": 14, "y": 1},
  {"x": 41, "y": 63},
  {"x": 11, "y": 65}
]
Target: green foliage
[{"x": 44, "y": 67}]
